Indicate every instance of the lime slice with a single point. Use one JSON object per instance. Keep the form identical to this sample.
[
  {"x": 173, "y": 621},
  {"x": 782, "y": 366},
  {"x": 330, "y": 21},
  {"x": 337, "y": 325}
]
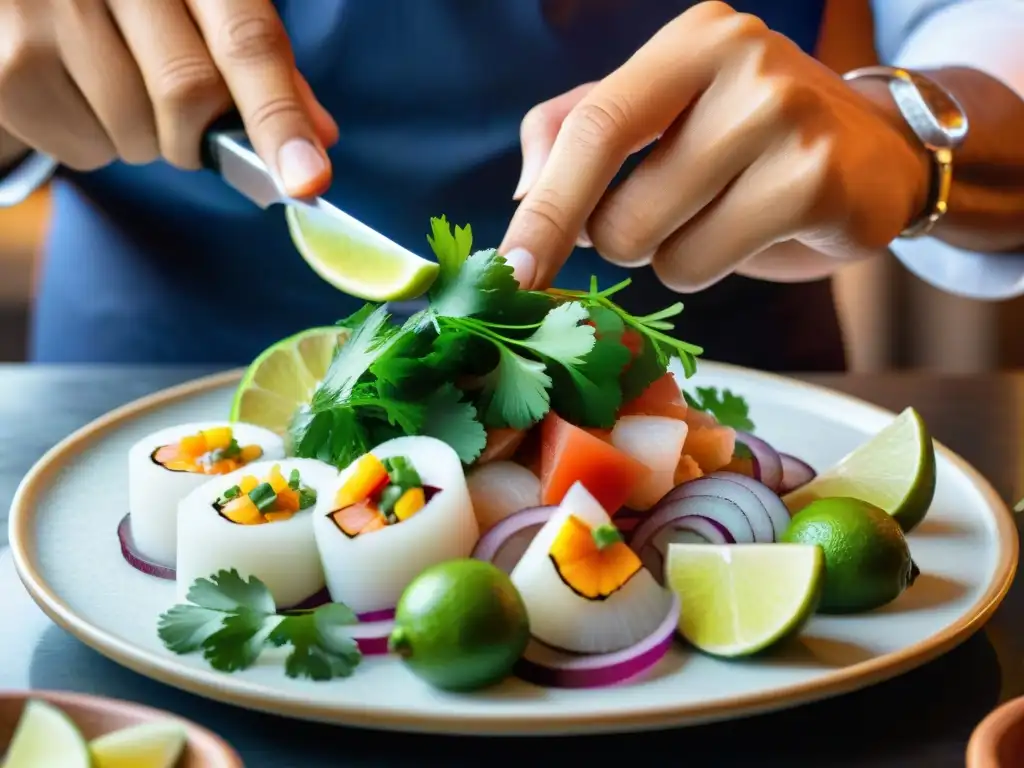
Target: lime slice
[
  {"x": 894, "y": 470},
  {"x": 357, "y": 260},
  {"x": 150, "y": 745},
  {"x": 741, "y": 598},
  {"x": 284, "y": 377},
  {"x": 46, "y": 736}
]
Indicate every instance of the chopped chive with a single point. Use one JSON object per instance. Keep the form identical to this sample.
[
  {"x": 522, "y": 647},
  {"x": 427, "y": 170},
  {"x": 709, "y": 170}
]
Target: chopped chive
[
  {"x": 233, "y": 449},
  {"x": 606, "y": 535},
  {"x": 293, "y": 480},
  {"x": 232, "y": 492},
  {"x": 263, "y": 496},
  {"x": 307, "y": 498},
  {"x": 389, "y": 498}
]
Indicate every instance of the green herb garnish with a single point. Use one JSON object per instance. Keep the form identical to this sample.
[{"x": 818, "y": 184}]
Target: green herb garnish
[
  {"x": 729, "y": 409},
  {"x": 263, "y": 496},
  {"x": 231, "y": 621},
  {"x": 294, "y": 479},
  {"x": 482, "y": 354},
  {"x": 231, "y": 493},
  {"x": 307, "y": 498}
]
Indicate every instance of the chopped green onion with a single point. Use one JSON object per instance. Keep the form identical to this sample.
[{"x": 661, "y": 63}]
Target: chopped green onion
[
  {"x": 233, "y": 449},
  {"x": 307, "y": 498},
  {"x": 293, "y": 480},
  {"x": 389, "y": 498},
  {"x": 232, "y": 492},
  {"x": 606, "y": 535},
  {"x": 263, "y": 496}
]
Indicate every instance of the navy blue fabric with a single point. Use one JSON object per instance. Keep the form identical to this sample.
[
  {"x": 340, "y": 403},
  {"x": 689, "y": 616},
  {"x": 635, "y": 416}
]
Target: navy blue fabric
[{"x": 158, "y": 265}]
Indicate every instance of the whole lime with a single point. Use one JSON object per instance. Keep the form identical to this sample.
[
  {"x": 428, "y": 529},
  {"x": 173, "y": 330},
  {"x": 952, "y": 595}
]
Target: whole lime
[
  {"x": 460, "y": 625},
  {"x": 867, "y": 559}
]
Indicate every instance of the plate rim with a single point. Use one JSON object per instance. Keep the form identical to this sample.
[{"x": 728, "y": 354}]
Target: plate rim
[{"x": 204, "y": 683}]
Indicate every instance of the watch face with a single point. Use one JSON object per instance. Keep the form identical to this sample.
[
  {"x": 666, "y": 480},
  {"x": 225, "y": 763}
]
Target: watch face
[{"x": 946, "y": 110}]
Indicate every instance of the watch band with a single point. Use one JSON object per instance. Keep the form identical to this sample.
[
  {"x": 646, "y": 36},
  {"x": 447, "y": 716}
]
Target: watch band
[
  {"x": 940, "y": 124},
  {"x": 25, "y": 177}
]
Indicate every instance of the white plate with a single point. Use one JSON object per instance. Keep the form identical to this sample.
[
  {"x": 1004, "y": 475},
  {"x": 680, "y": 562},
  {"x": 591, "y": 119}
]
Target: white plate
[{"x": 65, "y": 547}]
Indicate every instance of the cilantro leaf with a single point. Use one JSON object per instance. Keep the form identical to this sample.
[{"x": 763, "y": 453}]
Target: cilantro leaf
[
  {"x": 358, "y": 317},
  {"x": 483, "y": 282},
  {"x": 560, "y": 335},
  {"x": 646, "y": 368},
  {"x": 319, "y": 650},
  {"x": 729, "y": 409},
  {"x": 515, "y": 393},
  {"x": 451, "y": 249},
  {"x": 455, "y": 422},
  {"x": 184, "y": 628},
  {"x": 227, "y": 591},
  {"x": 239, "y": 642},
  {"x": 369, "y": 341}
]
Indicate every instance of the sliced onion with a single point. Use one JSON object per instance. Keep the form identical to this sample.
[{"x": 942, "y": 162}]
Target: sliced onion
[
  {"x": 627, "y": 519},
  {"x": 543, "y": 665},
  {"x": 506, "y": 542},
  {"x": 777, "y": 511},
  {"x": 795, "y": 473},
  {"x": 744, "y": 498},
  {"x": 136, "y": 559},
  {"x": 685, "y": 530},
  {"x": 372, "y": 636},
  {"x": 767, "y": 463},
  {"x": 500, "y": 489}
]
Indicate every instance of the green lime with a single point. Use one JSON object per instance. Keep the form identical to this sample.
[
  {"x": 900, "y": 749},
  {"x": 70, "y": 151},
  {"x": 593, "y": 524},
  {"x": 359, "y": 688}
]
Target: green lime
[
  {"x": 284, "y": 377},
  {"x": 357, "y": 260},
  {"x": 867, "y": 560},
  {"x": 45, "y": 736},
  {"x": 739, "y": 599},
  {"x": 461, "y": 625},
  {"x": 895, "y": 470},
  {"x": 149, "y": 745}
]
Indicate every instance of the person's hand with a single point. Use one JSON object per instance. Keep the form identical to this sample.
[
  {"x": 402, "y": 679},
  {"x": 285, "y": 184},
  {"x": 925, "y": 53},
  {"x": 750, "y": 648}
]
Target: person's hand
[
  {"x": 758, "y": 144},
  {"x": 91, "y": 81}
]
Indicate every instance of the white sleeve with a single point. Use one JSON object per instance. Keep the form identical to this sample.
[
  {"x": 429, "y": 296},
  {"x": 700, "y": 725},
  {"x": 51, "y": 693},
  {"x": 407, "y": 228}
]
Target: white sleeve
[{"x": 987, "y": 35}]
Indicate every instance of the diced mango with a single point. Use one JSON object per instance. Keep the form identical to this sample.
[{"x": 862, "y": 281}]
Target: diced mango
[
  {"x": 243, "y": 511},
  {"x": 192, "y": 446},
  {"x": 409, "y": 503},
  {"x": 368, "y": 475},
  {"x": 288, "y": 500},
  {"x": 217, "y": 438},
  {"x": 250, "y": 453},
  {"x": 247, "y": 483},
  {"x": 278, "y": 517},
  {"x": 277, "y": 481}
]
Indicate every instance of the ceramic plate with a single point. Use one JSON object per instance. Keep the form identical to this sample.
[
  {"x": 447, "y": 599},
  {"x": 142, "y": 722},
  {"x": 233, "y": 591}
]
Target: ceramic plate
[{"x": 64, "y": 541}]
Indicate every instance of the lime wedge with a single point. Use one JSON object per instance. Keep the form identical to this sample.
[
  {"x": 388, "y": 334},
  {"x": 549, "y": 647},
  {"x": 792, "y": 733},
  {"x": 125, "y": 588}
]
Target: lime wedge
[
  {"x": 284, "y": 377},
  {"x": 894, "y": 470},
  {"x": 150, "y": 745},
  {"x": 742, "y": 598},
  {"x": 356, "y": 260},
  {"x": 46, "y": 736}
]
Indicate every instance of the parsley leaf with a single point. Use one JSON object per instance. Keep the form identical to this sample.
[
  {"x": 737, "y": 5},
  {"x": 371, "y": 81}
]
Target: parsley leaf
[
  {"x": 515, "y": 393},
  {"x": 729, "y": 409},
  {"x": 455, "y": 421},
  {"x": 231, "y": 621}
]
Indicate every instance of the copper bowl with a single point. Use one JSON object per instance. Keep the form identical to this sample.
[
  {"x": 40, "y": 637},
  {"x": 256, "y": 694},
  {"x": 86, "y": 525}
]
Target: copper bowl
[
  {"x": 998, "y": 741},
  {"x": 96, "y": 716}
]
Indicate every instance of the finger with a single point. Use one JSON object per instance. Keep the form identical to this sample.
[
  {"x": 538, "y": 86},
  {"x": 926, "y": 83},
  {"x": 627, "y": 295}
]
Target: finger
[
  {"x": 789, "y": 262},
  {"x": 629, "y": 108},
  {"x": 251, "y": 49},
  {"x": 323, "y": 122},
  {"x": 538, "y": 131},
  {"x": 723, "y": 133},
  {"x": 183, "y": 84},
  {"x": 39, "y": 103},
  {"x": 761, "y": 208},
  {"x": 105, "y": 72}
]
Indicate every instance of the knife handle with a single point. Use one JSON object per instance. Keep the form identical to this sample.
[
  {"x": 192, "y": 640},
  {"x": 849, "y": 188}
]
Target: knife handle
[{"x": 230, "y": 122}]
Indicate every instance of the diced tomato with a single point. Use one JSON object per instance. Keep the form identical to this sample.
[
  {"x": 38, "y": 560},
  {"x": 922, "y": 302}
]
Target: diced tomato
[
  {"x": 710, "y": 447},
  {"x": 634, "y": 341},
  {"x": 662, "y": 398},
  {"x": 570, "y": 454},
  {"x": 501, "y": 444}
]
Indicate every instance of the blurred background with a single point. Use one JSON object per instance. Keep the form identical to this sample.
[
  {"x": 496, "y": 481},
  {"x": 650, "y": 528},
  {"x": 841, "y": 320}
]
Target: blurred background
[{"x": 892, "y": 320}]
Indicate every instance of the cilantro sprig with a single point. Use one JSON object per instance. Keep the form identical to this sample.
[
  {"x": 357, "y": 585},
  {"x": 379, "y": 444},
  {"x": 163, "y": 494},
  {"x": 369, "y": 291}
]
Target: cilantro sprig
[
  {"x": 482, "y": 354},
  {"x": 728, "y": 408},
  {"x": 231, "y": 621}
]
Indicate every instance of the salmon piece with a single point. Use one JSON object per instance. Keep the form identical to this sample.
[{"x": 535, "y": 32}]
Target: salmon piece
[
  {"x": 688, "y": 469},
  {"x": 710, "y": 447},
  {"x": 697, "y": 419},
  {"x": 502, "y": 443},
  {"x": 662, "y": 398}
]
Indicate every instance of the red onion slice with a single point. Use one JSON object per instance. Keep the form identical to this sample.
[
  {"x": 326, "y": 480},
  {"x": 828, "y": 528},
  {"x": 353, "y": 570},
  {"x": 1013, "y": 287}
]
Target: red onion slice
[
  {"x": 795, "y": 473},
  {"x": 506, "y": 542},
  {"x": 371, "y": 636},
  {"x": 767, "y": 462},
  {"x": 744, "y": 498},
  {"x": 777, "y": 511},
  {"x": 543, "y": 665},
  {"x": 685, "y": 530},
  {"x": 135, "y": 558}
]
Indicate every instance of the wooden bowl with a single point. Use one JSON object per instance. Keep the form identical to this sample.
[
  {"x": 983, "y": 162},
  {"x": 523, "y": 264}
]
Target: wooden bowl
[
  {"x": 96, "y": 716},
  {"x": 998, "y": 741}
]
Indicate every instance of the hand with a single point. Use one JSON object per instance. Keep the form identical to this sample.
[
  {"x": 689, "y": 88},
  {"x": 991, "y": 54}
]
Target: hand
[
  {"x": 91, "y": 81},
  {"x": 757, "y": 144}
]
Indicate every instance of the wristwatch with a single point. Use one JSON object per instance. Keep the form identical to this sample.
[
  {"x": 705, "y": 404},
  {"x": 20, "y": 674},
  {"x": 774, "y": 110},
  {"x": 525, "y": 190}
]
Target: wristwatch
[{"x": 940, "y": 124}]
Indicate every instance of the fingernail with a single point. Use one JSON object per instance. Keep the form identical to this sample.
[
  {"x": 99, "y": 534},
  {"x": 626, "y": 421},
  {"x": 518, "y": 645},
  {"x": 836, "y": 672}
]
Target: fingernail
[
  {"x": 583, "y": 239},
  {"x": 524, "y": 266},
  {"x": 301, "y": 166},
  {"x": 533, "y": 164}
]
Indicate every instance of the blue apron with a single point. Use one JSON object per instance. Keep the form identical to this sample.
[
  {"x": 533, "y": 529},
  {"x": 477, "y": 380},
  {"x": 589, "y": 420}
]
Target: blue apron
[{"x": 157, "y": 265}]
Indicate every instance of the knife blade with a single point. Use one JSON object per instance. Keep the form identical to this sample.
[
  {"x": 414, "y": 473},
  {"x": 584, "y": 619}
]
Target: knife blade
[{"x": 227, "y": 151}]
